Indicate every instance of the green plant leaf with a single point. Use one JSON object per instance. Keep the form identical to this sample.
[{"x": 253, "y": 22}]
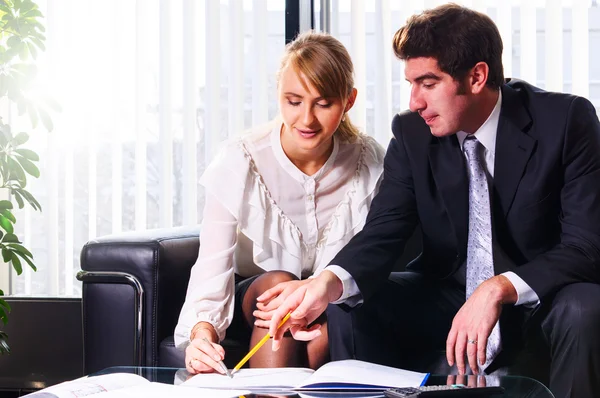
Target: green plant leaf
[
  {"x": 29, "y": 197},
  {"x": 38, "y": 41},
  {"x": 3, "y": 85},
  {"x": 6, "y": 213},
  {"x": 6, "y": 255},
  {"x": 23, "y": 51},
  {"x": 28, "y": 260},
  {"x": 13, "y": 41},
  {"x": 16, "y": 172},
  {"x": 32, "y": 50},
  {"x": 21, "y": 105},
  {"x": 33, "y": 13},
  {"x": 46, "y": 120},
  {"x": 20, "y": 139},
  {"x": 33, "y": 114},
  {"x": 29, "y": 167},
  {"x": 3, "y": 314},
  {"x": 20, "y": 249},
  {"x": 52, "y": 104},
  {"x": 16, "y": 263},
  {"x": 4, "y": 304},
  {"x": 6, "y": 133},
  {"x": 4, "y": 348},
  {"x": 10, "y": 238},
  {"x": 28, "y": 154},
  {"x": 6, "y": 225},
  {"x": 5, "y": 204},
  {"x": 19, "y": 199}
]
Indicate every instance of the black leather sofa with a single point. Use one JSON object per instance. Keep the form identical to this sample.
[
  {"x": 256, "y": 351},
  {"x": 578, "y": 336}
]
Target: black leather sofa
[{"x": 134, "y": 285}]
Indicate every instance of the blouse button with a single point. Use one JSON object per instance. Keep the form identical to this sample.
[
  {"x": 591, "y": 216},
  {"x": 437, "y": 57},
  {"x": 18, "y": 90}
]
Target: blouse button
[{"x": 309, "y": 197}]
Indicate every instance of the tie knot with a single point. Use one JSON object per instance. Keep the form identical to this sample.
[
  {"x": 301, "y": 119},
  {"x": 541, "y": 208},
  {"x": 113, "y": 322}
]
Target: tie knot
[{"x": 472, "y": 148}]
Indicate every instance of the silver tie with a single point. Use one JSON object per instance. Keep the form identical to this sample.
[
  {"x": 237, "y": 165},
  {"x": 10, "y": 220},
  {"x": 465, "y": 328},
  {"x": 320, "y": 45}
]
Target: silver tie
[{"x": 480, "y": 261}]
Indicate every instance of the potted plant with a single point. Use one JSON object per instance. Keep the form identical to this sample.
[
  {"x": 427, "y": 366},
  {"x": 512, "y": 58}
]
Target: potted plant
[{"x": 21, "y": 37}]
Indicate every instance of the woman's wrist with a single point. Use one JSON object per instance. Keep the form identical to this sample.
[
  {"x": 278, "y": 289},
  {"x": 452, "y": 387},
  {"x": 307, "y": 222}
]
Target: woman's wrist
[{"x": 204, "y": 329}]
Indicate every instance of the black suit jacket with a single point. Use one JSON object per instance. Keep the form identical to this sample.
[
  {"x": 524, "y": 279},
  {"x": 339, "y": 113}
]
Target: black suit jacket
[{"x": 546, "y": 196}]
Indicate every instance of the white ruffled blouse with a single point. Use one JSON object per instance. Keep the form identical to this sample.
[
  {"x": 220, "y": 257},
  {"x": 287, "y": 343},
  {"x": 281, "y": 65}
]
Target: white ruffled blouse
[{"x": 262, "y": 214}]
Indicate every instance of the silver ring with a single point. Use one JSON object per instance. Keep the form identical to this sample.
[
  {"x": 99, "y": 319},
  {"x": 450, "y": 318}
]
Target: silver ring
[
  {"x": 190, "y": 362},
  {"x": 470, "y": 341}
]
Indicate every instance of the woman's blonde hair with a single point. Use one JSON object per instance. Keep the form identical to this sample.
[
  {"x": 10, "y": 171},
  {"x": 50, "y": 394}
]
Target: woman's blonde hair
[{"x": 328, "y": 67}]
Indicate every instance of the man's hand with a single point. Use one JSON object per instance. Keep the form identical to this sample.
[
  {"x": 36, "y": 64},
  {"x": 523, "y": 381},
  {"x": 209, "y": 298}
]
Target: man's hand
[
  {"x": 475, "y": 321},
  {"x": 271, "y": 299},
  {"x": 306, "y": 304}
]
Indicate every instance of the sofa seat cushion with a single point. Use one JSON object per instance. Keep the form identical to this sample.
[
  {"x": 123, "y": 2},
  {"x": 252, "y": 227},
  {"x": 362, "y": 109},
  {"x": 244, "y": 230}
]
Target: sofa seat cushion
[{"x": 170, "y": 357}]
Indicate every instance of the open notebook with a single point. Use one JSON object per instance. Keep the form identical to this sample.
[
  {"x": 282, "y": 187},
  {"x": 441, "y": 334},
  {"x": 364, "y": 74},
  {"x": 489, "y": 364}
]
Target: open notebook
[{"x": 347, "y": 375}]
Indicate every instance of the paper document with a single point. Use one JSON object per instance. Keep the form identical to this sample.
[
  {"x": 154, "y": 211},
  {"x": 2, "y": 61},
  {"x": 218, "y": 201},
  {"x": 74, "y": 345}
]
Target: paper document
[
  {"x": 127, "y": 385},
  {"x": 334, "y": 376}
]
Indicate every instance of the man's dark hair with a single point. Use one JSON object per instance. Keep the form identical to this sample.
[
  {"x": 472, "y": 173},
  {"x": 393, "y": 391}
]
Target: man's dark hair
[{"x": 457, "y": 37}]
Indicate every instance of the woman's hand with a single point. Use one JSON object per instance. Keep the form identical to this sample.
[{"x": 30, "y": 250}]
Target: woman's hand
[
  {"x": 203, "y": 353},
  {"x": 271, "y": 299}
]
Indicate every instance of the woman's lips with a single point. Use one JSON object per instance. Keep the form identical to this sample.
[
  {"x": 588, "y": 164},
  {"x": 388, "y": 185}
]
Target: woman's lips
[{"x": 307, "y": 133}]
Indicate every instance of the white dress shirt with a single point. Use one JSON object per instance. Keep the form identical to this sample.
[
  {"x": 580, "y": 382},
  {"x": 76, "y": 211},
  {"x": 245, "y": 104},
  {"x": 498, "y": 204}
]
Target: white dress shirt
[
  {"x": 486, "y": 135},
  {"x": 262, "y": 214}
]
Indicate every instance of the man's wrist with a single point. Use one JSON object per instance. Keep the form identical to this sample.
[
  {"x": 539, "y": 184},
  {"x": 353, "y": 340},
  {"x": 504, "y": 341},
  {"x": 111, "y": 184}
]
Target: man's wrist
[
  {"x": 504, "y": 290},
  {"x": 333, "y": 284}
]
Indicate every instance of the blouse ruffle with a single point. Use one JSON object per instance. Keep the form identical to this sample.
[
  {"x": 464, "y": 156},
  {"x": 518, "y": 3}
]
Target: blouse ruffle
[{"x": 235, "y": 181}]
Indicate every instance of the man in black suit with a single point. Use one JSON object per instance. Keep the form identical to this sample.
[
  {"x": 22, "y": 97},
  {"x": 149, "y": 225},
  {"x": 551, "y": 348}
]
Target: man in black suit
[{"x": 524, "y": 196}]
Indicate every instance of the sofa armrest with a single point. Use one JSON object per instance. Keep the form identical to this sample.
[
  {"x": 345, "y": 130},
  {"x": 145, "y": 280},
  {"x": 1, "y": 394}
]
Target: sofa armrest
[{"x": 145, "y": 272}]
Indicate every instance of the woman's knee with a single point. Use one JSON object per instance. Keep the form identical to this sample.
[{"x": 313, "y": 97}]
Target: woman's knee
[{"x": 273, "y": 278}]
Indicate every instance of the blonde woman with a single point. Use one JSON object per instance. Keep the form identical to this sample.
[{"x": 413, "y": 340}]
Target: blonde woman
[{"x": 281, "y": 201}]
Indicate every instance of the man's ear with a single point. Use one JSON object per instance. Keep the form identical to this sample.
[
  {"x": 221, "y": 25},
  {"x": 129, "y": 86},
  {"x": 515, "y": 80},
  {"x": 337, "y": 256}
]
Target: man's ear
[
  {"x": 351, "y": 99},
  {"x": 478, "y": 77}
]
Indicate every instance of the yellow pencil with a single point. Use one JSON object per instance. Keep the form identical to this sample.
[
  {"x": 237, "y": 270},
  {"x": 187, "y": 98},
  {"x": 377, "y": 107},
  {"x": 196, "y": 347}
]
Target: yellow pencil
[{"x": 258, "y": 345}]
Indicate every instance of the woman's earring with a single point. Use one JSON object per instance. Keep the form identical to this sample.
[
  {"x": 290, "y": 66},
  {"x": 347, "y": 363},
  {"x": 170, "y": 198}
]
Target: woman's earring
[{"x": 344, "y": 118}]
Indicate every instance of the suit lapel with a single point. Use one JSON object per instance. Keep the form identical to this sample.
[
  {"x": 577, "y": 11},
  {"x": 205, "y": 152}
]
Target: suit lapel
[
  {"x": 513, "y": 147},
  {"x": 450, "y": 175}
]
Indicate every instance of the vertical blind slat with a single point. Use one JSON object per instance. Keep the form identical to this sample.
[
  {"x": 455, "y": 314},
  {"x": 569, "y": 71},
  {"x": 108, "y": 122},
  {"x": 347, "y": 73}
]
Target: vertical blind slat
[
  {"x": 212, "y": 103},
  {"x": 69, "y": 206},
  {"x": 189, "y": 184},
  {"x": 236, "y": 68},
  {"x": 504, "y": 22},
  {"x": 335, "y": 19},
  {"x": 165, "y": 103},
  {"x": 116, "y": 147},
  {"x": 27, "y": 241},
  {"x": 141, "y": 60},
  {"x": 358, "y": 32},
  {"x": 115, "y": 125},
  {"x": 260, "y": 78},
  {"x": 528, "y": 51},
  {"x": 580, "y": 48},
  {"x": 554, "y": 45},
  {"x": 51, "y": 215},
  {"x": 480, "y": 5},
  {"x": 92, "y": 184},
  {"x": 5, "y": 270},
  {"x": 383, "y": 77},
  {"x": 55, "y": 36}
]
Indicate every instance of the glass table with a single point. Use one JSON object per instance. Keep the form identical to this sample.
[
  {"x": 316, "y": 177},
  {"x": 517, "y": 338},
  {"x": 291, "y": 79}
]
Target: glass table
[{"x": 514, "y": 386}]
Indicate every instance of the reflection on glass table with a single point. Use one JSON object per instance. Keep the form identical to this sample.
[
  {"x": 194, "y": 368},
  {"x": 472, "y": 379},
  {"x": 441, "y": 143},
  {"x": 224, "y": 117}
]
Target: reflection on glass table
[{"x": 514, "y": 386}]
